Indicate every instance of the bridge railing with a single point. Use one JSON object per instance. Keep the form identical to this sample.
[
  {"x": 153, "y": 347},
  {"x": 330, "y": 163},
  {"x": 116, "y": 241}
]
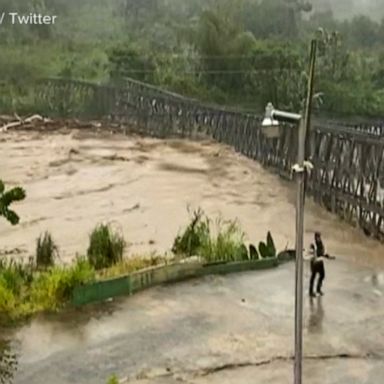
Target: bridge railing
[{"x": 349, "y": 159}]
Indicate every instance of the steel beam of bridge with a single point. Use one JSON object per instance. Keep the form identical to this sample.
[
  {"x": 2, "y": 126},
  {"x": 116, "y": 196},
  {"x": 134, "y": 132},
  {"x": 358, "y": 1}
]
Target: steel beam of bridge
[{"x": 348, "y": 179}]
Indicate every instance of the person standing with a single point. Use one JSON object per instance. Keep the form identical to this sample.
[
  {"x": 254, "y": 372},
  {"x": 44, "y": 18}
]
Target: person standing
[{"x": 317, "y": 266}]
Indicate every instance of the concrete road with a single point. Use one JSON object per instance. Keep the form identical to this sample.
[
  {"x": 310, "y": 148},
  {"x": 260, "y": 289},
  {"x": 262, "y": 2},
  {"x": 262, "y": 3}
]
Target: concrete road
[{"x": 233, "y": 329}]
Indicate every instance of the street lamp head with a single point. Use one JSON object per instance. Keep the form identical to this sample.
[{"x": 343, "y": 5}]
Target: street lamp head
[
  {"x": 269, "y": 121},
  {"x": 270, "y": 126}
]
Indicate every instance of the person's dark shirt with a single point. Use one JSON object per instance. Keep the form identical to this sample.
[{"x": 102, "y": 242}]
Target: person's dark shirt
[{"x": 319, "y": 248}]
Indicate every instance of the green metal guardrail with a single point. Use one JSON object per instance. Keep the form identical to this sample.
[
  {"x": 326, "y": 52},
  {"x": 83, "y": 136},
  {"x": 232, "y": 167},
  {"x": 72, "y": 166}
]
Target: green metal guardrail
[{"x": 138, "y": 281}]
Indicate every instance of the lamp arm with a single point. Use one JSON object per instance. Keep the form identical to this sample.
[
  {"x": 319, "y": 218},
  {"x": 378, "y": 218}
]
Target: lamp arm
[{"x": 286, "y": 117}]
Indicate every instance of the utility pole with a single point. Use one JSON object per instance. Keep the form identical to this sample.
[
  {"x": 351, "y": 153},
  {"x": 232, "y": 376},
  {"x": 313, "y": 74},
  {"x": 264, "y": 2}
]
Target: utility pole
[
  {"x": 301, "y": 176},
  {"x": 270, "y": 127}
]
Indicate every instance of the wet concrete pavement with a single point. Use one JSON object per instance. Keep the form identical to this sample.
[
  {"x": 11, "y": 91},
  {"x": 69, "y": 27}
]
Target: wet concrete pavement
[{"x": 232, "y": 329}]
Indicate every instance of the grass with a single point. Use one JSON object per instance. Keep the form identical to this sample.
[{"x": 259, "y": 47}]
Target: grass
[
  {"x": 25, "y": 290},
  {"x": 49, "y": 291},
  {"x": 113, "y": 380},
  {"x": 106, "y": 247},
  {"x": 195, "y": 234},
  {"x": 14, "y": 276},
  {"x": 219, "y": 241},
  {"x": 226, "y": 244},
  {"x": 46, "y": 251},
  {"x": 133, "y": 264},
  {"x": 223, "y": 241}
]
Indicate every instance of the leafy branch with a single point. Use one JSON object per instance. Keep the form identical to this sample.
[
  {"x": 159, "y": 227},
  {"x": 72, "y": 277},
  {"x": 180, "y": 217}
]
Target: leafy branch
[{"x": 7, "y": 198}]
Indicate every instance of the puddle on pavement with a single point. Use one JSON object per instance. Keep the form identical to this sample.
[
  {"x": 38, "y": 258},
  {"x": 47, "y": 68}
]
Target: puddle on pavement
[
  {"x": 56, "y": 332},
  {"x": 316, "y": 315}
]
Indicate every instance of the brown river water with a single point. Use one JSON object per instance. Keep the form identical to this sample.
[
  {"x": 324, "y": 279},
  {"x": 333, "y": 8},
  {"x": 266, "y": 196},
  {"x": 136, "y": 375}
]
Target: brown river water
[{"x": 77, "y": 179}]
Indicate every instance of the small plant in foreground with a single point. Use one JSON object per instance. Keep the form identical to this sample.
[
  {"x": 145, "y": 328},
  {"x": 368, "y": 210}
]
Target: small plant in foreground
[
  {"x": 227, "y": 245},
  {"x": 253, "y": 254},
  {"x": 106, "y": 247},
  {"x": 113, "y": 380},
  {"x": 46, "y": 251},
  {"x": 267, "y": 250}
]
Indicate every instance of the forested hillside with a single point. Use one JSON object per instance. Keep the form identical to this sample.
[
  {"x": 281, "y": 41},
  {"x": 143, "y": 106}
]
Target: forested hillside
[{"x": 240, "y": 52}]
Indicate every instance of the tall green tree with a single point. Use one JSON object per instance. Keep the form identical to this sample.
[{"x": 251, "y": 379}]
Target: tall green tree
[
  {"x": 223, "y": 46},
  {"x": 275, "y": 18},
  {"x": 363, "y": 32}
]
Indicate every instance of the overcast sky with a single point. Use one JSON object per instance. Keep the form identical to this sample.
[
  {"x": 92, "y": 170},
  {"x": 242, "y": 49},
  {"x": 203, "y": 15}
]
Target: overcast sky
[{"x": 348, "y": 8}]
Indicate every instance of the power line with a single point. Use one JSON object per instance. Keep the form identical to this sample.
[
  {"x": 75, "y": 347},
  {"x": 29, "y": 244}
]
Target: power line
[
  {"x": 198, "y": 56},
  {"x": 214, "y": 72}
]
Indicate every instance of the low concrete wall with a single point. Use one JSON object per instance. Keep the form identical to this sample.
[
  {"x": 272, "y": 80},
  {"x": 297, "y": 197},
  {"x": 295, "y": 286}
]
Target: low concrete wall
[
  {"x": 138, "y": 281},
  {"x": 101, "y": 290},
  {"x": 159, "y": 275}
]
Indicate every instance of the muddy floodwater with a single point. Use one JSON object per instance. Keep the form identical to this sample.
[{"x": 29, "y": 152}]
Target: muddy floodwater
[{"x": 77, "y": 179}]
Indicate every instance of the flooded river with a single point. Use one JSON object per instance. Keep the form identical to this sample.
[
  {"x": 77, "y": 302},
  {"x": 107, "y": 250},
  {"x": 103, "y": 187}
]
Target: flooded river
[{"x": 77, "y": 179}]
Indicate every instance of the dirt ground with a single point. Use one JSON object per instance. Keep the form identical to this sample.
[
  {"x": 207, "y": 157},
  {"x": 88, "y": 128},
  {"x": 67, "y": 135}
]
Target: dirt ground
[{"x": 76, "y": 179}]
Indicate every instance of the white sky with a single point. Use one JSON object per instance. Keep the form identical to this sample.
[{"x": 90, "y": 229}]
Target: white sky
[{"x": 348, "y": 8}]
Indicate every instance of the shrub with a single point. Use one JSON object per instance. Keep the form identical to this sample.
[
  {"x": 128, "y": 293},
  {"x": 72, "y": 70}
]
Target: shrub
[
  {"x": 106, "y": 247},
  {"x": 227, "y": 245},
  {"x": 267, "y": 250},
  {"x": 53, "y": 288},
  {"x": 46, "y": 251},
  {"x": 223, "y": 244},
  {"x": 113, "y": 380},
  {"x": 11, "y": 280},
  {"x": 253, "y": 254},
  {"x": 7, "y": 298},
  {"x": 14, "y": 284},
  {"x": 15, "y": 276},
  {"x": 271, "y": 244},
  {"x": 24, "y": 290},
  {"x": 196, "y": 233}
]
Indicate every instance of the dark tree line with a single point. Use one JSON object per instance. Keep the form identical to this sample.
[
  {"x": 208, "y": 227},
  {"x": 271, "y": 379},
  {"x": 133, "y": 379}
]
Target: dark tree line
[{"x": 242, "y": 52}]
